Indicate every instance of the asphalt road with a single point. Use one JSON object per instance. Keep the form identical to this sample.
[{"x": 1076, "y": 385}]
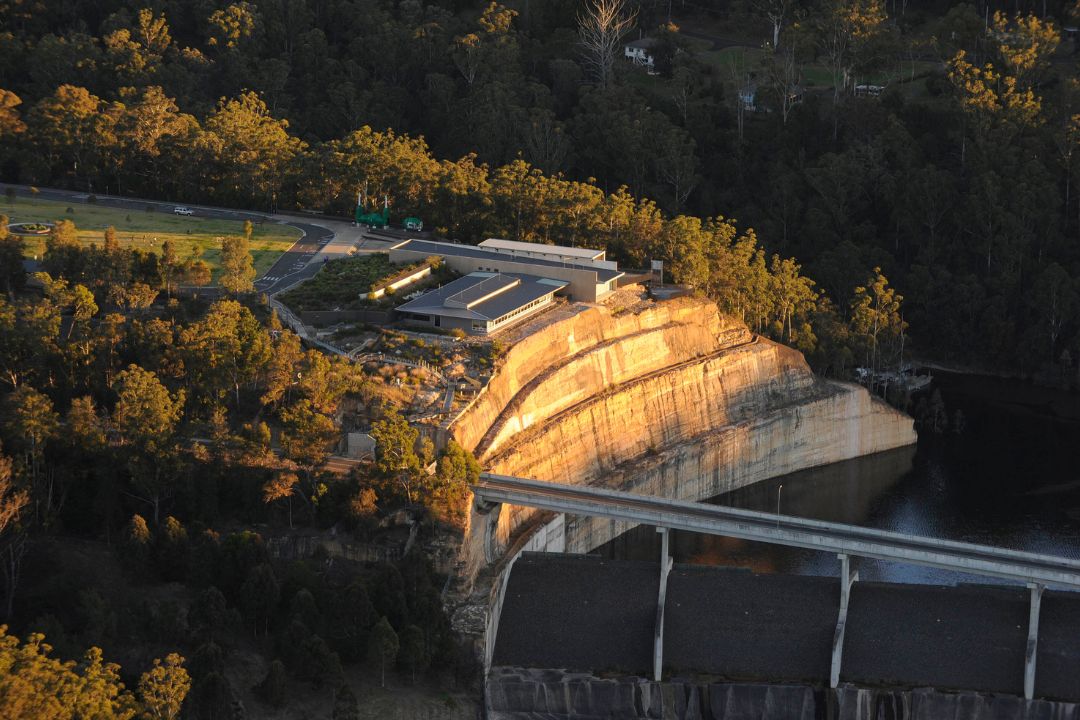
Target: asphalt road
[
  {"x": 294, "y": 265},
  {"x": 138, "y": 204}
]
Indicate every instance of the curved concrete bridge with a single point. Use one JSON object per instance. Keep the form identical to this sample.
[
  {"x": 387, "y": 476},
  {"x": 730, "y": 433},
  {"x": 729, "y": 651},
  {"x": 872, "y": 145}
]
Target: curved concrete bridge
[{"x": 847, "y": 541}]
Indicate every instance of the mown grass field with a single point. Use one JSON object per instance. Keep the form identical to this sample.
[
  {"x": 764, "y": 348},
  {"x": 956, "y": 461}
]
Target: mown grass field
[{"x": 148, "y": 230}]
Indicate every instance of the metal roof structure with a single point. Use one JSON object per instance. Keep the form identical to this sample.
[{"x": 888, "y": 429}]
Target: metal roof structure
[
  {"x": 553, "y": 250},
  {"x": 482, "y": 296},
  {"x": 431, "y": 247}
]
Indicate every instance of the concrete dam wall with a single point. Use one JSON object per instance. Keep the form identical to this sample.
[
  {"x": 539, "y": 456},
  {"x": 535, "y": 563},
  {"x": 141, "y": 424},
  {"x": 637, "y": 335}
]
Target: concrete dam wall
[
  {"x": 520, "y": 694},
  {"x": 670, "y": 399},
  {"x": 569, "y": 620}
]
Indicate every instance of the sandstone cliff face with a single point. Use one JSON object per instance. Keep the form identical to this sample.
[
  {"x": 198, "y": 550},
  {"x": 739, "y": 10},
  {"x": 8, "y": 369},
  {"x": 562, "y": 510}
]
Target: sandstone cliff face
[
  {"x": 576, "y": 357},
  {"x": 673, "y": 400}
]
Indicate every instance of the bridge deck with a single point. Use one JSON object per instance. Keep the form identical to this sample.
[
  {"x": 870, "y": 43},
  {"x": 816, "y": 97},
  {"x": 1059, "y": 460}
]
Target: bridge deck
[{"x": 1022, "y": 567}]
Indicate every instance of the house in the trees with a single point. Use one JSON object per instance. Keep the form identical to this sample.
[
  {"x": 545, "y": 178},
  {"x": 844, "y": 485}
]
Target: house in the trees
[
  {"x": 641, "y": 51},
  {"x": 748, "y": 96}
]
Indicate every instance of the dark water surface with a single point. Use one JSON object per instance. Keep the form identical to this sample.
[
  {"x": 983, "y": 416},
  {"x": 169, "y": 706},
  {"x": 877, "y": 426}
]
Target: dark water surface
[{"x": 1010, "y": 478}]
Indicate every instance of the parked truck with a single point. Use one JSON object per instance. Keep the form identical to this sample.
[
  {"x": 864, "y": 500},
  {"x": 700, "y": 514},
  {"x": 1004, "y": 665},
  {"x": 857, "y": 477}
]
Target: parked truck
[{"x": 413, "y": 224}]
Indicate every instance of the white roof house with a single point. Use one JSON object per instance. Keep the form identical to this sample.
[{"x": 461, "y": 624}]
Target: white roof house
[{"x": 640, "y": 51}]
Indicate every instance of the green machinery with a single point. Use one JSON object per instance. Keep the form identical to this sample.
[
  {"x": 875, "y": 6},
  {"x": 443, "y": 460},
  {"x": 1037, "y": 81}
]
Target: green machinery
[
  {"x": 375, "y": 220},
  {"x": 381, "y": 219}
]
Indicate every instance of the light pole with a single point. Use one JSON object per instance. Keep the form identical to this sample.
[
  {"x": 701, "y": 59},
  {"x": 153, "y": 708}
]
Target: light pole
[{"x": 778, "y": 504}]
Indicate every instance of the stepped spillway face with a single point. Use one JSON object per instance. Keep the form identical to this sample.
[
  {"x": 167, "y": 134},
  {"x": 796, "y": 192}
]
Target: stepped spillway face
[{"x": 670, "y": 399}]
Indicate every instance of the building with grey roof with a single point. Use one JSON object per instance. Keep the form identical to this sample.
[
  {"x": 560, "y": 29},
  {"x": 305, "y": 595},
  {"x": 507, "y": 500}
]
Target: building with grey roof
[
  {"x": 584, "y": 281},
  {"x": 482, "y": 302},
  {"x": 558, "y": 253}
]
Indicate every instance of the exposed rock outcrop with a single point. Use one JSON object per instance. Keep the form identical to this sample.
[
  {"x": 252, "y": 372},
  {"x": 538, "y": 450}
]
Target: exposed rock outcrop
[{"x": 669, "y": 399}]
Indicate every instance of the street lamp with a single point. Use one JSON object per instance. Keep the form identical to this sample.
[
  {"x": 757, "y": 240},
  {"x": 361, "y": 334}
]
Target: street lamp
[{"x": 778, "y": 504}]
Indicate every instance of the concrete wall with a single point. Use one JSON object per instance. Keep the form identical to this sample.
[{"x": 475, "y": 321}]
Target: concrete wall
[
  {"x": 672, "y": 401},
  {"x": 330, "y": 317},
  {"x": 519, "y": 694},
  {"x": 679, "y": 330},
  {"x": 400, "y": 283}
]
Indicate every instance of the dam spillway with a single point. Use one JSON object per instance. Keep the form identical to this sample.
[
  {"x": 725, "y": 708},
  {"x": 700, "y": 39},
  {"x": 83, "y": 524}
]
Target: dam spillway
[
  {"x": 670, "y": 399},
  {"x": 570, "y": 620}
]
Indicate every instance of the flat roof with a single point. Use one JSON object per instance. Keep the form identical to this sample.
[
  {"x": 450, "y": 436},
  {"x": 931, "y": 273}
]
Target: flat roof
[
  {"x": 432, "y": 247},
  {"x": 518, "y": 246},
  {"x": 496, "y": 295},
  {"x": 476, "y": 293}
]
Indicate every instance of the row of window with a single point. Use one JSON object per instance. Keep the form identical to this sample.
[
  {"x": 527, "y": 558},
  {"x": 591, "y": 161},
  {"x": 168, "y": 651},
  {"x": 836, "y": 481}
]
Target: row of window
[{"x": 523, "y": 308}]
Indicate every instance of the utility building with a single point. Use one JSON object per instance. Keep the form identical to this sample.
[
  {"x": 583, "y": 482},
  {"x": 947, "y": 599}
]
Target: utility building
[
  {"x": 584, "y": 279},
  {"x": 555, "y": 253},
  {"x": 482, "y": 302}
]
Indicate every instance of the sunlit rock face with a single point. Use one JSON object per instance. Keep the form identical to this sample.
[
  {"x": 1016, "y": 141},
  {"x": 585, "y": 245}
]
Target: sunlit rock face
[{"x": 671, "y": 399}]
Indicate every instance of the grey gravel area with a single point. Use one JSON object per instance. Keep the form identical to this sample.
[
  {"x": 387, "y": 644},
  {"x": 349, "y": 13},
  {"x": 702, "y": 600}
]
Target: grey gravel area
[
  {"x": 736, "y": 624},
  {"x": 947, "y": 637},
  {"x": 579, "y": 613}
]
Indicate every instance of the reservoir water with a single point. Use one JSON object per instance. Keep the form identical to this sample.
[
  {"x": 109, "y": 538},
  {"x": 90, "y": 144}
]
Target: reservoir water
[{"x": 1003, "y": 471}]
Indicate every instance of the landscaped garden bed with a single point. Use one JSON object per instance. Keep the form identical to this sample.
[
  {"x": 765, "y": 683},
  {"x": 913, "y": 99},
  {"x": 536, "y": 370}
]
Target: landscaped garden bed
[
  {"x": 346, "y": 284},
  {"x": 30, "y": 228}
]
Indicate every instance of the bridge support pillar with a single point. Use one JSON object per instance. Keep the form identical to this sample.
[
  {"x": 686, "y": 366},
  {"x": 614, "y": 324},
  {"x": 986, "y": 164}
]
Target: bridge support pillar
[
  {"x": 847, "y": 579},
  {"x": 490, "y": 512},
  {"x": 1033, "y": 640},
  {"x": 658, "y": 636}
]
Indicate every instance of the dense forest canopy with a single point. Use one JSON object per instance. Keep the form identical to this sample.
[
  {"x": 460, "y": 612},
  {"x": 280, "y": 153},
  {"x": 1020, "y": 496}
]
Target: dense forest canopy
[
  {"x": 856, "y": 178},
  {"x": 957, "y": 180}
]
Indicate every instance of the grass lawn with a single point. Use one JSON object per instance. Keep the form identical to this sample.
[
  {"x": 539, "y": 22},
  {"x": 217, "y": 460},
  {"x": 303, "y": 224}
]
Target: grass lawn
[
  {"x": 814, "y": 74},
  {"x": 744, "y": 58},
  {"x": 148, "y": 230}
]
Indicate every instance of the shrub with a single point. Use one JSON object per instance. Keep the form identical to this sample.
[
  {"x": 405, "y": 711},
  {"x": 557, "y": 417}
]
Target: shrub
[{"x": 135, "y": 545}]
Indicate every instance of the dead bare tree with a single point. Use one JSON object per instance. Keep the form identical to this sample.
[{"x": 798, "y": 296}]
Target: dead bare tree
[
  {"x": 601, "y": 27},
  {"x": 740, "y": 79},
  {"x": 784, "y": 76},
  {"x": 776, "y": 12}
]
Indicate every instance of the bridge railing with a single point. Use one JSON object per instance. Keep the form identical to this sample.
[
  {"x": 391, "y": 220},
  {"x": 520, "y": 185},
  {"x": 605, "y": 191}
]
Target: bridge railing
[
  {"x": 847, "y": 541},
  {"x": 1015, "y": 565}
]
